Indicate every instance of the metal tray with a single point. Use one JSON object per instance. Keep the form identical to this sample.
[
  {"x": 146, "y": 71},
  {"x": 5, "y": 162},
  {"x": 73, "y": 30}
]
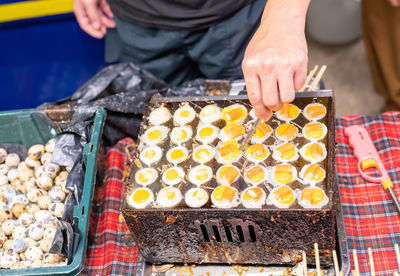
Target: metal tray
[{"x": 238, "y": 236}]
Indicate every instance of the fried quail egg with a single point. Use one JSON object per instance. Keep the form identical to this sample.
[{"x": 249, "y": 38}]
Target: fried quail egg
[
  {"x": 228, "y": 152},
  {"x": 263, "y": 131},
  {"x": 227, "y": 174},
  {"x": 235, "y": 113},
  {"x": 184, "y": 115},
  {"x": 283, "y": 174},
  {"x": 255, "y": 175},
  {"x": 281, "y": 197},
  {"x": 177, "y": 154},
  {"x": 312, "y": 173},
  {"x": 314, "y": 111},
  {"x": 210, "y": 114},
  {"x": 168, "y": 197},
  {"x": 313, "y": 152},
  {"x": 155, "y": 135},
  {"x": 257, "y": 153},
  {"x": 181, "y": 134},
  {"x": 203, "y": 154},
  {"x": 253, "y": 197},
  {"x": 286, "y": 152},
  {"x": 288, "y": 112},
  {"x": 146, "y": 176},
  {"x": 196, "y": 197},
  {"x": 225, "y": 196},
  {"x": 232, "y": 131},
  {"x": 313, "y": 197},
  {"x": 140, "y": 198},
  {"x": 206, "y": 134},
  {"x": 159, "y": 116},
  {"x": 286, "y": 132},
  {"x": 150, "y": 155},
  {"x": 200, "y": 175},
  {"x": 173, "y": 176},
  {"x": 314, "y": 131}
]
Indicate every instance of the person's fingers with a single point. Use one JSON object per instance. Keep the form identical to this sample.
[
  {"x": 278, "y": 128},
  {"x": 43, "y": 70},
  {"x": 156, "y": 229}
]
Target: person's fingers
[
  {"x": 286, "y": 87},
  {"x": 300, "y": 76},
  {"x": 395, "y": 3},
  {"x": 84, "y": 21},
  {"x": 254, "y": 93},
  {"x": 93, "y": 12},
  {"x": 269, "y": 87},
  {"x": 107, "y": 22},
  {"x": 106, "y": 8}
]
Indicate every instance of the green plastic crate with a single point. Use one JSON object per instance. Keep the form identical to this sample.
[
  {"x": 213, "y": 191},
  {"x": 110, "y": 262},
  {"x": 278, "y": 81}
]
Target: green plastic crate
[{"x": 29, "y": 127}]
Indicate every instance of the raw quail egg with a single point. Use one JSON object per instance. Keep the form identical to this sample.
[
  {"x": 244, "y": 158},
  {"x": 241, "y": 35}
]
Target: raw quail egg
[
  {"x": 286, "y": 132},
  {"x": 49, "y": 147},
  {"x": 314, "y": 111},
  {"x": 159, "y": 116},
  {"x": 12, "y": 160},
  {"x": 227, "y": 174},
  {"x": 35, "y": 231},
  {"x": 253, "y": 197},
  {"x": 27, "y": 219},
  {"x": 4, "y": 169},
  {"x": 281, "y": 197},
  {"x": 288, "y": 112},
  {"x": 34, "y": 253},
  {"x": 285, "y": 152},
  {"x": 206, "y": 134},
  {"x": 9, "y": 259},
  {"x": 168, "y": 197},
  {"x": 8, "y": 226},
  {"x": 57, "y": 209},
  {"x": 57, "y": 194},
  {"x": 151, "y": 155},
  {"x": 196, "y": 197},
  {"x": 3, "y": 155},
  {"x": 313, "y": 152},
  {"x": 263, "y": 131},
  {"x": 200, "y": 175},
  {"x": 257, "y": 153},
  {"x": 228, "y": 152},
  {"x": 140, "y": 198},
  {"x": 225, "y": 196},
  {"x": 312, "y": 173},
  {"x": 235, "y": 113},
  {"x": 255, "y": 174},
  {"x": 232, "y": 131},
  {"x": 203, "y": 154},
  {"x": 184, "y": 115},
  {"x": 173, "y": 176},
  {"x": 210, "y": 114},
  {"x": 283, "y": 174},
  {"x": 314, "y": 131},
  {"x": 155, "y": 135},
  {"x": 177, "y": 154},
  {"x": 19, "y": 232},
  {"x": 146, "y": 176},
  {"x": 36, "y": 151},
  {"x": 19, "y": 245},
  {"x": 181, "y": 134},
  {"x": 313, "y": 197}
]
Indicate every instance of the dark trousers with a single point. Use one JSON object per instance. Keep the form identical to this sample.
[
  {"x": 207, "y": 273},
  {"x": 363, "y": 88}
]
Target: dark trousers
[{"x": 177, "y": 56}]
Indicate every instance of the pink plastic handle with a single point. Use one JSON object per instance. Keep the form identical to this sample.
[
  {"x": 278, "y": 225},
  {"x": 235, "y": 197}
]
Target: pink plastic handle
[{"x": 364, "y": 148}]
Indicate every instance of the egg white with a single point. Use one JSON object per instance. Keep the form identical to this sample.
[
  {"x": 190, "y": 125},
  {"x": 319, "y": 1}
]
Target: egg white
[
  {"x": 180, "y": 160},
  {"x": 176, "y": 131},
  {"x": 181, "y": 175},
  {"x": 179, "y": 120},
  {"x": 162, "y": 197},
  {"x": 222, "y": 181},
  {"x": 203, "y": 158},
  {"x": 307, "y": 116},
  {"x": 193, "y": 172},
  {"x": 208, "y": 139},
  {"x": 221, "y": 160},
  {"x": 196, "y": 202},
  {"x": 159, "y": 116},
  {"x": 257, "y": 204},
  {"x": 164, "y": 133},
  {"x": 141, "y": 205},
  {"x": 311, "y": 160},
  {"x": 210, "y": 114},
  {"x": 153, "y": 160},
  {"x": 152, "y": 173}
]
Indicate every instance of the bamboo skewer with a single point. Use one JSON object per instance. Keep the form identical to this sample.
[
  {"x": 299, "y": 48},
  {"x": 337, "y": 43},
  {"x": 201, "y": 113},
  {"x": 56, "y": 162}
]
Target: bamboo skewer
[
  {"x": 305, "y": 264},
  {"x": 336, "y": 263},
  {"x": 317, "y": 78},
  {"x": 371, "y": 261},
  {"x": 357, "y": 269},
  {"x": 308, "y": 79},
  {"x": 317, "y": 264},
  {"x": 396, "y": 248}
]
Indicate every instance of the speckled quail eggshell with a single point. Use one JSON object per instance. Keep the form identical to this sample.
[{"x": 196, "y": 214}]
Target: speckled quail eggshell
[
  {"x": 4, "y": 169},
  {"x": 8, "y": 244},
  {"x": 45, "y": 182},
  {"x": 19, "y": 245},
  {"x": 31, "y": 184},
  {"x": 19, "y": 186},
  {"x": 33, "y": 164},
  {"x": 21, "y": 198},
  {"x": 49, "y": 233},
  {"x": 35, "y": 231},
  {"x": 57, "y": 209},
  {"x": 18, "y": 209},
  {"x": 21, "y": 265},
  {"x": 36, "y": 151},
  {"x": 56, "y": 194},
  {"x": 26, "y": 219},
  {"x": 34, "y": 253},
  {"x": 3, "y": 238},
  {"x": 33, "y": 208},
  {"x": 51, "y": 170},
  {"x": 46, "y": 158},
  {"x": 12, "y": 174},
  {"x": 19, "y": 232},
  {"x": 45, "y": 244},
  {"x": 3, "y": 155},
  {"x": 44, "y": 202},
  {"x": 30, "y": 242},
  {"x": 8, "y": 226},
  {"x": 63, "y": 175},
  {"x": 34, "y": 194},
  {"x": 49, "y": 147},
  {"x": 12, "y": 160},
  {"x": 40, "y": 171},
  {"x": 3, "y": 180},
  {"x": 50, "y": 258},
  {"x": 37, "y": 263},
  {"x": 5, "y": 214},
  {"x": 9, "y": 259},
  {"x": 159, "y": 116}
]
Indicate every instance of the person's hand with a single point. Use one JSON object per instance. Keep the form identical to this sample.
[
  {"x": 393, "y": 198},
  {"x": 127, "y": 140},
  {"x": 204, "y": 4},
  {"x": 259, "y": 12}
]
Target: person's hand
[
  {"x": 394, "y": 3},
  {"x": 94, "y": 16},
  {"x": 275, "y": 61}
]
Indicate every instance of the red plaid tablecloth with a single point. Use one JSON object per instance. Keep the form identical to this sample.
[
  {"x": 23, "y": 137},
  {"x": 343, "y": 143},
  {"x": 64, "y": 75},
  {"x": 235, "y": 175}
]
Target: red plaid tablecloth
[{"x": 370, "y": 217}]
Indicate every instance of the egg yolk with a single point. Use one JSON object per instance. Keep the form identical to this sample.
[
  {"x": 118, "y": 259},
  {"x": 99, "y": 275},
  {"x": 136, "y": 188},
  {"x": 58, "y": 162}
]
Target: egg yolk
[
  {"x": 228, "y": 173},
  {"x": 257, "y": 151},
  {"x": 202, "y": 175},
  {"x": 145, "y": 176},
  {"x": 198, "y": 195},
  {"x": 202, "y": 154},
  {"x": 233, "y": 114},
  {"x": 314, "y": 151},
  {"x": 177, "y": 154},
  {"x": 234, "y": 130},
  {"x": 184, "y": 113},
  {"x": 255, "y": 174},
  {"x": 314, "y": 130},
  {"x": 289, "y": 111},
  {"x": 229, "y": 150},
  {"x": 150, "y": 154},
  {"x": 288, "y": 131},
  {"x": 283, "y": 174},
  {"x": 284, "y": 195},
  {"x": 140, "y": 196},
  {"x": 262, "y": 130},
  {"x": 171, "y": 174},
  {"x": 253, "y": 194},
  {"x": 206, "y": 132},
  {"x": 224, "y": 193},
  {"x": 314, "y": 172},
  {"x": 181, "y": 135},
  {"x": 170, "y": 194},
  {"x": 314, "y": 196},
  {"x": 316, "y": 110},
  {"x": 154, "y": 135},
  {"x": 287, "y": 151}
]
